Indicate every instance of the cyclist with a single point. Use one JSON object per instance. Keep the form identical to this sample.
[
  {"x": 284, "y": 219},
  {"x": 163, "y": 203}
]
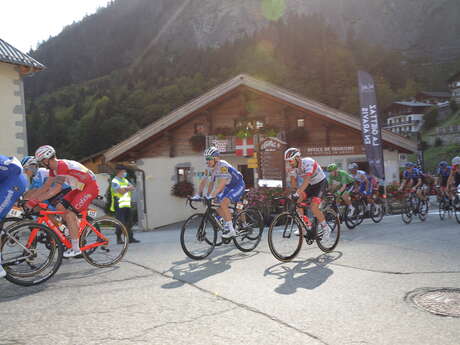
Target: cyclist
[
  {"x": 413, "y": 177},
  {"x": 13, "y": 183},
  {"x": 230, "y": 187},
  {"x": 82, "y": 182},
  {"x": 36, "y": 176},
  {"x": 345, "y": 181},
  {"x": 454, "y": 177},
  {"x": 443, "y": 173},
  {"x": 364, "y": 181},
  {"x": 314, "y": 184}
]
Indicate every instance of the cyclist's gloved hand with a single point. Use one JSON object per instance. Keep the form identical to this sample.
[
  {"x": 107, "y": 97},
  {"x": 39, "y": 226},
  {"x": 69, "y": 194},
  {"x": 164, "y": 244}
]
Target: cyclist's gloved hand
[
  {"x": 196, "y": 197},
  {"x": 31, "y": 203}
]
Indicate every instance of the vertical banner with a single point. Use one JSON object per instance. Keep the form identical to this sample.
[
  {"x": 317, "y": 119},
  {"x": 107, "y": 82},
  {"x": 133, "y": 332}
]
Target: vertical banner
[{"x": 370, "y": 124}]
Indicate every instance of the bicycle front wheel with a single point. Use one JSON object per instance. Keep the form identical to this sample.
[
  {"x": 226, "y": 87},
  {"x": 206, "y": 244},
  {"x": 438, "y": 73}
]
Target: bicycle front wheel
[
  {"x": 406, "y": 213},
  {"x": 249, "y": 226},
  {"x": 198, "y": 236},
  {"x": 442, "y": 209},
  {"x": 423, "y": 209},
  {"x": 377, "y": 211},
  {"x": 285, "y": 237},
  {"x": 104, "y": 242},
  {"x": 31, "y": 253}
]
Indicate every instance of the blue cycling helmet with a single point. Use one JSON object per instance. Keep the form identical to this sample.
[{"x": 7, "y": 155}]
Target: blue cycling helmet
[
  {"x": 443, "y": 164},
  {"x": 410, "y": 165},
  {"x": 27, "y": 161}
]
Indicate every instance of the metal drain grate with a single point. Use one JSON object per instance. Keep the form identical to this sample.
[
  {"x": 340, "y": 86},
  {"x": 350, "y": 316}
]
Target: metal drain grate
[{"x": 439, "y": 301}]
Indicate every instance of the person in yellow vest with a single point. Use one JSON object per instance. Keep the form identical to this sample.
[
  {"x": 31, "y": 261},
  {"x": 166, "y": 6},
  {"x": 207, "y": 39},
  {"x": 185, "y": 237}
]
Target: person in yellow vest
[{"x": 121, "y": 190}]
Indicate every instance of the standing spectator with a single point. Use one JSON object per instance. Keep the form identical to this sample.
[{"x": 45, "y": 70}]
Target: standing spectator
[{"x": 121, "y": 190}]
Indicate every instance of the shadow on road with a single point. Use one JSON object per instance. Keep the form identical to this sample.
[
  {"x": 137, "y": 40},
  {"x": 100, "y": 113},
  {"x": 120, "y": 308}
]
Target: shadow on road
[
  {"x": 190, "y": 271},
  {"x": 307, "y": 274}
]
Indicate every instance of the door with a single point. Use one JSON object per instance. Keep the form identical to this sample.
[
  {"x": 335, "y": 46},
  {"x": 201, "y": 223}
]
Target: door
[{"x": 248, "y": 175}]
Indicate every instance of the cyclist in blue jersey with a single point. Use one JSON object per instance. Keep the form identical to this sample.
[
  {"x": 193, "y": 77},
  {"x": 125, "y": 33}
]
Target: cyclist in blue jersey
[
  {"x": 226, "y": 184},
  {"x": 13, "y": 183},
  {"x": 365, "y": 185},
  {"x": 413, "y": 178},
  {"x": 443, "y": 173}
]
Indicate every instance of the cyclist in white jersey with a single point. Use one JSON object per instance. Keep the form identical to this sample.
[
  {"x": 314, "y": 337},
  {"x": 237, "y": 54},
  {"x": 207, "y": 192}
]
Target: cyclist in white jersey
[{"x": 314, "y": 184}]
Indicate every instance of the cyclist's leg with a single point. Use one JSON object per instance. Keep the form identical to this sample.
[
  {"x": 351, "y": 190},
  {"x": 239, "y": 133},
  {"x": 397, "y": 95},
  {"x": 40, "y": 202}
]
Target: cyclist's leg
[{"x": 229, "y": 195}]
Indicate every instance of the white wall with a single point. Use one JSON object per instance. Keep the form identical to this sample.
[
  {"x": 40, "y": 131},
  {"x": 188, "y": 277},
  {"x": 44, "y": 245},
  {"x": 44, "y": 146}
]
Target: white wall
[
  {"x": 160, "y": 176},
  {"x": 13, "y": 134}
]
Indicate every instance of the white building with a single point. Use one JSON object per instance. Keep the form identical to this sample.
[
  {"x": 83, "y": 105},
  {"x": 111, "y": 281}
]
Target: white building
[
  {"x": 163, "y": 154},
  {"x": 454, "y": 87},
  {"x": 14, "y": 66},
  {"x": 405, "y": 117}
]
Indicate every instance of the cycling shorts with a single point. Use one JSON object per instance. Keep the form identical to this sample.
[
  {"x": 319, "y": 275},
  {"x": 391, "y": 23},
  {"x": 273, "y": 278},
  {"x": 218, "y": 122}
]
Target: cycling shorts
[
  {"x": 58, "y": 197},
  {"x": 444, "y": 181},
  {"x": 81, "y": 199},
  {"x": 10, "y": 192},
  {"x": 233, "y": 193},
  {"x": 316, "y": 191}
]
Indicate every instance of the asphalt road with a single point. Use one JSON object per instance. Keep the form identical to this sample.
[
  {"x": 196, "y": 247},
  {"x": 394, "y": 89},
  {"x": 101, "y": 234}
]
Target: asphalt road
[{"x": 355, "y": 295}]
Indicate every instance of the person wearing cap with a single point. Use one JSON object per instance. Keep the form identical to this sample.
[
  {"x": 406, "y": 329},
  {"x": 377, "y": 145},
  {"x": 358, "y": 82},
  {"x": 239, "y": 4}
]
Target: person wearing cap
[
  {"x": 121, "y": 190},
  {"x": 225, "y": 184}
]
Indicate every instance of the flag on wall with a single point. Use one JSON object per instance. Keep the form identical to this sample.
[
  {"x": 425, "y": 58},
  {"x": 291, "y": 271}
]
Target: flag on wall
[{"x": 244, "y": 146}]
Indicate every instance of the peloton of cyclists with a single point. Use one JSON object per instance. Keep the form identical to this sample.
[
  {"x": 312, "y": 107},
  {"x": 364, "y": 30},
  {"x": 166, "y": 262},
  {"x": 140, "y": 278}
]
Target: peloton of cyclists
[{"x": 225, "y": 184}]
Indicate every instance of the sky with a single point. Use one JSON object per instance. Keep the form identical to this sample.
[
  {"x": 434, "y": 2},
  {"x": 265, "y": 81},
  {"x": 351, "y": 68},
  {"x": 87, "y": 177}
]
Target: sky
[{"x": 24, "y": 23}]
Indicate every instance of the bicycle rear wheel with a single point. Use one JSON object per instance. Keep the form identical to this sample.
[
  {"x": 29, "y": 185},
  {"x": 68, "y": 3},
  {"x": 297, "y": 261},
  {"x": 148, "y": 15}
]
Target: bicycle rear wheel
[
  {"x": 249, "y": 226},
  {"x": 442, "y": 209},
  {"x": 285, "y": 237},
  {"x": 102, "y": 248},
  {"x": 31, "y": 253},
  {"x": 198, "y": 236},
  {"x": 406, "y": 213},
  {"x": 332, "y": 219},
  {"x": 349, "y": 218}
]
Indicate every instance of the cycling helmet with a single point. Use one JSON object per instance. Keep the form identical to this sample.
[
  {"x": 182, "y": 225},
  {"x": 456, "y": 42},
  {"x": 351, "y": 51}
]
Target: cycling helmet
[
  {"x": 291, "y": 153},
  {"x": 353, "y": 166},
  {"x": 44, "y": 152},
  {"x": 443, "y": 164},
  {"x": 211, "y": 152},
  {"x": 456, "y": 161},
  {"x": 332, "y": 167},
  {"x": 410, "y": 165},
  {"x": 27, "y": 161}
]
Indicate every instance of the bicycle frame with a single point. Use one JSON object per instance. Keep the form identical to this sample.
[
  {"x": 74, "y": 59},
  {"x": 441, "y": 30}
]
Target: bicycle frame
[{"x": 43, "y": 218}]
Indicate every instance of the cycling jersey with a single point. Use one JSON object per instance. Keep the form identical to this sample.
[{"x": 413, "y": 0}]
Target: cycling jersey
[
  {"x": 13, "y": 183},
  {"x": 443, "y": 172},
  {"x": 342, "y": 177},
  {"x": 76, "y": 175},
  {"x": 414, "y": 175},
  {"x": 224, "y": 170},
  {"x": 39, "y": 179},
  {"x": 308, "y": 167},
  {"x": 358, "y": 176}
]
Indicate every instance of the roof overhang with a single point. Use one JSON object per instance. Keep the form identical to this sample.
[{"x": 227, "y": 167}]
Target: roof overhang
[{"x": 259, "y": 86}]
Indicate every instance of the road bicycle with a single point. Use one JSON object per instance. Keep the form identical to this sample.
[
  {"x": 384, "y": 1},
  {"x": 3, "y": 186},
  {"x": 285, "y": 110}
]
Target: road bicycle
[
  {"x": 413, "y": 206},
  {"x": 200, "y": 232},
  {"x": 284, "y": 239}
]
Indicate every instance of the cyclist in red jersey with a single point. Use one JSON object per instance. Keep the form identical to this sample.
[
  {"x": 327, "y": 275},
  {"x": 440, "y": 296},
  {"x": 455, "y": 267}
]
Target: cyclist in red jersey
[{"x": 79, "y": 178}]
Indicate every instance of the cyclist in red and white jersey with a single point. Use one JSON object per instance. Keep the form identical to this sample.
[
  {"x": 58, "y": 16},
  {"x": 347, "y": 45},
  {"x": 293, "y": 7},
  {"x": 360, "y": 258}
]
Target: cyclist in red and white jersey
[
  {"x": 79, "y": 178},
  {"x": 314, "y": 184}
]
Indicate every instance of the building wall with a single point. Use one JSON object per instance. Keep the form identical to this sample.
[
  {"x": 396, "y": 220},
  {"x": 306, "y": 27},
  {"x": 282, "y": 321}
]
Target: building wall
[{"x": 13, "y": 133}]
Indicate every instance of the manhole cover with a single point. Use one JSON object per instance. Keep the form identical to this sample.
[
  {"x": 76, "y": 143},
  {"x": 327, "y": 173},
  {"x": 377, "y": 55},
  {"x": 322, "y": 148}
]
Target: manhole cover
[{"x": 439, "y": 301}]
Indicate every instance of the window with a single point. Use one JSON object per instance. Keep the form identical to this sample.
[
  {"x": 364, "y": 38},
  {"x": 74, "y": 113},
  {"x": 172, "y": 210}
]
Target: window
[
  {"x": 259, "y": 124},
  {"x": 300, "y": 122},
  {"x": 183, "y": 174}
]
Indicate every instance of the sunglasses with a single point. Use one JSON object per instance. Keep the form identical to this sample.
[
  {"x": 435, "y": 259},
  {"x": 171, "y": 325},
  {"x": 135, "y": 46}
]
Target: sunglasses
[{"x": 209, "y": 158}]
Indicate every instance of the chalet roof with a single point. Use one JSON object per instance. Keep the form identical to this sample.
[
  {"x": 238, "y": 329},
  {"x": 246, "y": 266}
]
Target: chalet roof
[
  {"x": 436, "y": 94},
  {"x": 10, "y": 54},
  {"x": 260, "y": 86}
]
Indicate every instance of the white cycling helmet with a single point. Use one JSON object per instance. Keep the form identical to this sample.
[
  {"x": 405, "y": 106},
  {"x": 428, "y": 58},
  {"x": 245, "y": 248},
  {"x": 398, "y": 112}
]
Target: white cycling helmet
[
  {"x": 456, "y": 161},
  {"x": 352, "y": 166},
  {"x": 211, "y": 152},
  {"x": 28, "y": 161},
  {"x": 44, "y": 152},
  {"x": 291, "y": 153}
]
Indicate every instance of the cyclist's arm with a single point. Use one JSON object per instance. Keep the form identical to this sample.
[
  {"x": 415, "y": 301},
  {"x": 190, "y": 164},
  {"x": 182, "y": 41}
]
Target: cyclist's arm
[
  {"x": 51, "y": 187},
  {"x": 306, "y": 182},
  {"x": 202, "y": 185},
  {"x": 293, "y": 182},
  {"x": 403, "y": 184},
  {"x": 419, "y": 183},
  {"x": 450, "y": 179}
]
